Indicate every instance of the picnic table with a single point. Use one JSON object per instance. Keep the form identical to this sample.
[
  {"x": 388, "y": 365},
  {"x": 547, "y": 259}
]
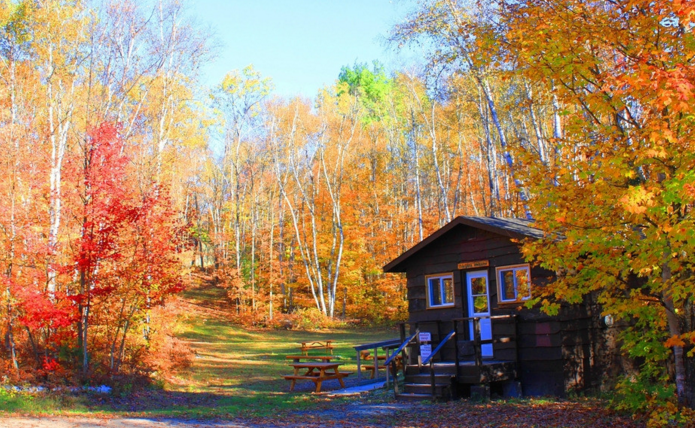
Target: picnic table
[
  {"x": 326, "y": 345},
  {"x": 316, "y": 372}
]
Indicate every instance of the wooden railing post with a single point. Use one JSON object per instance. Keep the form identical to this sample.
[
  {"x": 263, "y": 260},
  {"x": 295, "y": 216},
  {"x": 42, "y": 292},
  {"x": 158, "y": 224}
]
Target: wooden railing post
[
  {"x": 476, "y": 342},
  {"x": 515, "y": 319},
  {"x": 395, "y": 381},
  {"x": 432, "y": 384},
  {"x": 417, "y": 343},
  {"x": 439, "y": 335},
  {"x": 391, "y": 360},
  {"x": 456, "y": 349}
]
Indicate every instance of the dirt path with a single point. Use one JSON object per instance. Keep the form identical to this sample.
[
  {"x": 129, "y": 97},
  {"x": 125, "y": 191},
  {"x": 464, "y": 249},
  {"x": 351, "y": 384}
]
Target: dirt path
[{"x": 354, "y": 415}]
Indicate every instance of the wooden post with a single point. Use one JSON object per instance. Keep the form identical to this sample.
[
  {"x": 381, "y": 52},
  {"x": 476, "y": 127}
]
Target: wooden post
[
  {"x": 456, "y": 348},
  {"x": 476, "y": 341},
  {"x": 515, "y": 319},
  {"x": 359, "y": 369},
  {"x": 417, "y": 343},
  {"x": 395, "y": 383},
  {"x": 439, "y": 337},
  {"x": 387, "y": 369},
  {"x": 406, "y": 351},
  {"x": 432, "y": 384}
]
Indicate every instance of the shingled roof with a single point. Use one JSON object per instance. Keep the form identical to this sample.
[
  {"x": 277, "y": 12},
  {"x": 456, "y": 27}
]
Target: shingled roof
[{"x": 512, "y": 227}]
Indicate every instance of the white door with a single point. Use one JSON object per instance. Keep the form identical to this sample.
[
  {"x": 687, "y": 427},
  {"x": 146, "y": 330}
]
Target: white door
[{"x": 479, "y": 306}]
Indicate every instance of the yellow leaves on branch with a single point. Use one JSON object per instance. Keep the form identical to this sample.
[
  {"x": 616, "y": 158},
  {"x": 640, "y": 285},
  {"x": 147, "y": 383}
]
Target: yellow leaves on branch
[{"x": 637, "y": 200}]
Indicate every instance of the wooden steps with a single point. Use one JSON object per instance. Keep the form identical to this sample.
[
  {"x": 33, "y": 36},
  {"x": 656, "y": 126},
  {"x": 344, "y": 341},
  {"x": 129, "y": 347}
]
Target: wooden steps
[
  {"x": 413, "y": 397},
  {"x": 417, "y": 385}
]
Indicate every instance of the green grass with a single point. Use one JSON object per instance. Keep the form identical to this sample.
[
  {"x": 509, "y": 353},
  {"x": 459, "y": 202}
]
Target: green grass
[{"x": 236, "y": 372}]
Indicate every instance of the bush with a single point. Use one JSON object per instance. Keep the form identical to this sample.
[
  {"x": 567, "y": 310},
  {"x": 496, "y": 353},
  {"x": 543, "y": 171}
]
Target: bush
[
  {"x": 304, "y": 319},
  {"x": 651, "y": 395}
]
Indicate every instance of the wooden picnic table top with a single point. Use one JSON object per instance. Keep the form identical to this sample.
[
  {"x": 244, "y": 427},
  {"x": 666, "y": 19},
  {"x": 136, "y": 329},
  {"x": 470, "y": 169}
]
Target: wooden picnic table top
[
  {"x": 315, "y": 365},
  {"x": 310, "y": 357},
  {"x": 316, "y": 342}
]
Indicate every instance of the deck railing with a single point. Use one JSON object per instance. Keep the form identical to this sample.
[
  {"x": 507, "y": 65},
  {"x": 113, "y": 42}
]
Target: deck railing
[
  {"x": 454, "y": 334},
  {"x": 478, "y": 342}
]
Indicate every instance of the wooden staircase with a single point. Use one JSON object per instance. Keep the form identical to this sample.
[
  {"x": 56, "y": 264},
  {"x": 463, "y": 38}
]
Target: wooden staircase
[
  {"x": 430, "y": 380},
  {"x": 418, "y": 383}
]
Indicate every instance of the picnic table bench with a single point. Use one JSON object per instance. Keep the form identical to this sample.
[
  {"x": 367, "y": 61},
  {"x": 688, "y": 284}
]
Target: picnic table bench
[
  {"x": 317, "y": 373},
  {"x": 326, "y": 345}
]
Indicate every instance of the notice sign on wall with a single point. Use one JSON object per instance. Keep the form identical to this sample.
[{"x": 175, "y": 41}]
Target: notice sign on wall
[
  {"x": 425, "y": 350},
  {"x": 425, "y": 337},
  {"x": 473, "y": 265}
]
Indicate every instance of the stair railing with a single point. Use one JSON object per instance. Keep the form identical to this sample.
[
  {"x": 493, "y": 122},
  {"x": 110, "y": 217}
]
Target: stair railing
[
  {"x": 392, "y": 359},
  {"x": 430, "y": 359}
]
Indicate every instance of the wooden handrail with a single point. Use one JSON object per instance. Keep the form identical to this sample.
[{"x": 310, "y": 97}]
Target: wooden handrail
[
  {"x": 400, "y": 348},
  {"x": 448, "y": 337}
]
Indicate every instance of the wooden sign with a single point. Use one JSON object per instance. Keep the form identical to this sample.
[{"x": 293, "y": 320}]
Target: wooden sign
[
  {"x": 425, "y": 351},
  {"x": 471, "y": 265}
]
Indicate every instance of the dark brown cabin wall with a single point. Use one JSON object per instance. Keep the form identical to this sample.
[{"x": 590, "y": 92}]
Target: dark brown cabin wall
[
  {"x": 558, "y": 348},
  {"x": 461, "y": 245}
]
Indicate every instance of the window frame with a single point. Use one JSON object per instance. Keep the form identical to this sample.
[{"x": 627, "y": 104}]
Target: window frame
[
  {"x": 428, "y": 293},
  {"x": 514, "y": 268}
]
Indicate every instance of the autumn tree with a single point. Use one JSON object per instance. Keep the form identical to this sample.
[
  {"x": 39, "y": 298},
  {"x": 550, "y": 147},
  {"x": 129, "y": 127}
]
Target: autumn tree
[
  {"x": 69, "y": 67},
  {"x": 457, "y": 35},
  {"x": 617, "y": 201}
]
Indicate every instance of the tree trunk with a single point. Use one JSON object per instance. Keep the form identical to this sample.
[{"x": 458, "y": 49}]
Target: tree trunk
[{"x": 675, "y": 329}]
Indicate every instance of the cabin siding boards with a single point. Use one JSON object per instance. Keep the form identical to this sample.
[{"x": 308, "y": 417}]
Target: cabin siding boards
[
  {"x": 434, "y": 259},
  {"x": 554, "y": 354}
]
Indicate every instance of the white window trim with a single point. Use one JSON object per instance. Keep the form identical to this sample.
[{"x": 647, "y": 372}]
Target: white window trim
[
  {"x": 498, "y": 277},
  {"x": 449, "y": 275}
]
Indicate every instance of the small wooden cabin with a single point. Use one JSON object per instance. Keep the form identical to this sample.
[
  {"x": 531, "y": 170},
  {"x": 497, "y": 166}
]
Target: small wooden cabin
[{"x": 469, "y": 277}]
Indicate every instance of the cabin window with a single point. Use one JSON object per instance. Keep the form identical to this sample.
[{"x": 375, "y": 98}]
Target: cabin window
[
  {"x": 513, "y": 283},
  {"x": 440, "y": 290}
]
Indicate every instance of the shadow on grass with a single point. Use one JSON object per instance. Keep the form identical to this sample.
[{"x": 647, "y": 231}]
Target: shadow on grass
[{"x": 200, "y": 404}]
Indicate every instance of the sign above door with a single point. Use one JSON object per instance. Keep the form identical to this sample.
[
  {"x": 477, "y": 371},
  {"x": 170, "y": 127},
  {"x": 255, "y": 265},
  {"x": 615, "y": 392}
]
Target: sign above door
[{"x": 472, "y": 265}]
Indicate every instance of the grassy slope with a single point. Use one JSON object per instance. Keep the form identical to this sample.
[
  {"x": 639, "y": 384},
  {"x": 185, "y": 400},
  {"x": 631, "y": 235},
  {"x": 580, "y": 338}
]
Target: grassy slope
[{"x": 242, "y": 368}]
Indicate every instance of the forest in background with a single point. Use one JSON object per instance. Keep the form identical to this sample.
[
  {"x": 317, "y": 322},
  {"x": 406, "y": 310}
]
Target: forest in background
[{"x": 121, "y": 174}]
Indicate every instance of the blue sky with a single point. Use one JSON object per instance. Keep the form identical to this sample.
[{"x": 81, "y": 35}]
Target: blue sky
[{"x": 300, "y": 44}]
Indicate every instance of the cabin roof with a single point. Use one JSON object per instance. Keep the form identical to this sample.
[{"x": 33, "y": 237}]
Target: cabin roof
[{"x": 511, "y": 227}]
